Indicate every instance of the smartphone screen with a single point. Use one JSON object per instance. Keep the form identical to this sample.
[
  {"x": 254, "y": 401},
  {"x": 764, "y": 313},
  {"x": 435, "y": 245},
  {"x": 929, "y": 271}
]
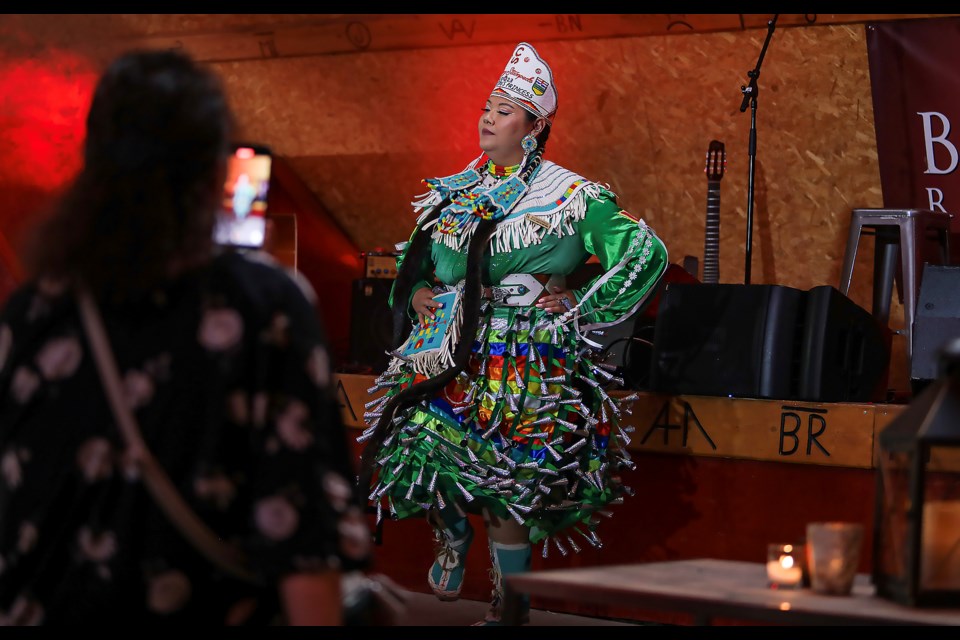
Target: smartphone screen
[{"x": 241, "y": 221}]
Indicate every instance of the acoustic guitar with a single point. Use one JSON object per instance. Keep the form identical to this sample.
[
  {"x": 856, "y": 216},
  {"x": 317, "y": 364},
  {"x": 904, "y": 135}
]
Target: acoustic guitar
[{"x": 716, "y": 162}]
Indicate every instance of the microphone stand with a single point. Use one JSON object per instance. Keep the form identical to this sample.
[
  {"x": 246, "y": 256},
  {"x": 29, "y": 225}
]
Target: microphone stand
[{"x": 750, "y": 97}]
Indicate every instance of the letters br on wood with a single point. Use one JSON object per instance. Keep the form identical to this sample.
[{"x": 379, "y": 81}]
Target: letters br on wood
[{"x": 832, "y": 434}]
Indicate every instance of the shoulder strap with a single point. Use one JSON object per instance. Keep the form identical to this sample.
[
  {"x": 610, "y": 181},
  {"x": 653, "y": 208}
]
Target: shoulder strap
[{"x": 158, "y": 482}]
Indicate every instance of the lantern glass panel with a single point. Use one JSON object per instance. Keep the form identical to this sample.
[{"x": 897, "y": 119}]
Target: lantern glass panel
[
  {"x": 940, "y": 525},
  {"x": 895, "y": 473}
]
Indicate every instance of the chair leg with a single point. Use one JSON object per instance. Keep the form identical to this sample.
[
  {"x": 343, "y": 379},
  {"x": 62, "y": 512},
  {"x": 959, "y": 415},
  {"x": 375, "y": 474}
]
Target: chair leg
[
  {"x": 886, "y": 272},
  {"x": 908, "y": 254},
  {"x": 850, "y": 255}
]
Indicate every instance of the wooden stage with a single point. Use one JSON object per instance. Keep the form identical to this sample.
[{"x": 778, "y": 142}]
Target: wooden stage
[{"x": 715, "y": 478}]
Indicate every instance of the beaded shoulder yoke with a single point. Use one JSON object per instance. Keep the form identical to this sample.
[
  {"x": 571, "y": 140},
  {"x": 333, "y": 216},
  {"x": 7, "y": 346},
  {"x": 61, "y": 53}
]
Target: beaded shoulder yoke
[{"x": 549, "y": 204}]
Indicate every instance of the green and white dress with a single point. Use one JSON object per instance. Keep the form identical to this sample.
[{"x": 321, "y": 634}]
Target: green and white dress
[{"x": 528, "y": 430}]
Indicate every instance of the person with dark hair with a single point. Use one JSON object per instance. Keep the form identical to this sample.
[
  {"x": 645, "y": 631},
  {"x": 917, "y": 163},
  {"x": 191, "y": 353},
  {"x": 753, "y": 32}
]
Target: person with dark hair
[
  {"x": 495, "y": 404},
  {"x": 222, "y": 362}
]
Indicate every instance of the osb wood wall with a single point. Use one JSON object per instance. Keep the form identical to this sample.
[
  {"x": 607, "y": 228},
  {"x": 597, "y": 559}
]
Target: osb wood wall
[
  {"x": 363, "y": 126},
  {"x": 637, "y": 113}
]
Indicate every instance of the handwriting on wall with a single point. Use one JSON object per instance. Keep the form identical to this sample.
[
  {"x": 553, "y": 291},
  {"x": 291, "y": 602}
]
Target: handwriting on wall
[
  {"x": 833, "y": 434},
  {"x": 347, "y": 33},
  {"x": 456, "y": 27},
  {"x": 837, "y": 434},
  {"x": 800, "y": 431},
  {"x": 348, "y": 414},
  {"x": 791, "y": 430},
  {"x": 662, "y": 423}
]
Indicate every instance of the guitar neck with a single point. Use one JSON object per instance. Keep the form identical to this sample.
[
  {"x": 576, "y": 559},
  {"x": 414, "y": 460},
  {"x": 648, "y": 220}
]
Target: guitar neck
[{"x": 711, "y": 243}]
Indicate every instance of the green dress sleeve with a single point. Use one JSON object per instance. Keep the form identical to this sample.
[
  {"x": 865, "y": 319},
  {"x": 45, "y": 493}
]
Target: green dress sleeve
[{"x": 633, "y": 258}]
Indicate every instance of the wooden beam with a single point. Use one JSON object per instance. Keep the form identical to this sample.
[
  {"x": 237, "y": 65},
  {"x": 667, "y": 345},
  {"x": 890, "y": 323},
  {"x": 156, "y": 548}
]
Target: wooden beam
[
  {"x": 353, "y": 33},
  {"x": 833, "y": 434}
]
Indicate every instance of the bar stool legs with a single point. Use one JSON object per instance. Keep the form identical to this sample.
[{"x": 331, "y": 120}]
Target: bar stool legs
[
  {"x": 887, "y": 267},
  {"x": 896, "y": 231}
]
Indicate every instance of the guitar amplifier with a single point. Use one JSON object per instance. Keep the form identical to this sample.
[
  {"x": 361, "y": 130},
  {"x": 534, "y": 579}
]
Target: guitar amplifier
[
  {"x": 380, "y": 264},
  {"x": 371, "y": 324}
]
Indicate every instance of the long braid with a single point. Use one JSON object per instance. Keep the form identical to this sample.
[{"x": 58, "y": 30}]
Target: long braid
[
  {"x": 409, "y": 271},
  {"x": 472, "y": 295},
  {"x": 534, "y": 160}
]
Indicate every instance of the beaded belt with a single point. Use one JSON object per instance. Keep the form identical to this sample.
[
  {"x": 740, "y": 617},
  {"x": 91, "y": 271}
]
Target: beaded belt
[{"x": 522, "y": 289}]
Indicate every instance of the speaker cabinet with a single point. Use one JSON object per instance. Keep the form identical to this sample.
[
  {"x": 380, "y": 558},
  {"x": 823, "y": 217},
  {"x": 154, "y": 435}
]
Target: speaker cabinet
[
  {"x": 936, "y": 322},
  {"x": 768, "y": 341},
  {"x": 845, "y": 351},
  {"x": 627, "y": 348},
  {"x": 727, "y": 340},
  {"x": 371, "y": 324}
]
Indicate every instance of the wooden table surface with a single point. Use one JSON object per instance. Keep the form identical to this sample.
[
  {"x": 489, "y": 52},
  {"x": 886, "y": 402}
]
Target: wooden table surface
[{"x": 708, "y": 588}]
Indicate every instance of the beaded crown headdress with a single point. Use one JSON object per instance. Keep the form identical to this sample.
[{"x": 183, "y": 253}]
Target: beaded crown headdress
[{"x": 528, "y": 81}]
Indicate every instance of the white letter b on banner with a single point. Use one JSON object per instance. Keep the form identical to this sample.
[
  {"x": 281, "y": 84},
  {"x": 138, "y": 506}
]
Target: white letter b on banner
[{"x": 929, "y": 139}]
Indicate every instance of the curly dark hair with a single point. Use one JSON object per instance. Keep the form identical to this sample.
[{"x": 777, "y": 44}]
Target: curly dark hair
[{"x": 143, "y": 206}]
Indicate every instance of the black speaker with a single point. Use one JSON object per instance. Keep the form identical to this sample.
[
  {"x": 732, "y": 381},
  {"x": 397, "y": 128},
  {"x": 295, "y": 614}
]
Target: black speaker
[
  {"x": 627, "y": 348},
  {"x": 936, "y": 322},
  {"x": 727, "y": 340},
  {"x": 628, "y": 345},
  {"x": 845, "y": 351},
  {"x": 371, "y": 324}
]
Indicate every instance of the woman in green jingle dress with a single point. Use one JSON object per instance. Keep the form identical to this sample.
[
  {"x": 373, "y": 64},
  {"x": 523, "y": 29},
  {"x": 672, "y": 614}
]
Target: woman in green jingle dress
[{"x": 505, "y": 413}]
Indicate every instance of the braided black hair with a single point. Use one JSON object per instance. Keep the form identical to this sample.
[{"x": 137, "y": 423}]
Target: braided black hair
[
  {"x": 408, "y": 274},
  {"x": 472, "y": 296}
]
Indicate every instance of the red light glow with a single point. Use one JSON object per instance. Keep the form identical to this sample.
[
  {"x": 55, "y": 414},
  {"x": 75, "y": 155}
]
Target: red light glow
[{"x": 45, "y": 104}]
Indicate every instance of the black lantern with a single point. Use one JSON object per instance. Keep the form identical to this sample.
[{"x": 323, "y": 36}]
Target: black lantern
[{"x": 916, "y": 553}]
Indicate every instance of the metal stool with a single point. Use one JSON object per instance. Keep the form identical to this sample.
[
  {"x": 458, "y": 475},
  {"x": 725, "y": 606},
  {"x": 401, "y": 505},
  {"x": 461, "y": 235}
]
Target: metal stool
[{"x": 896, "y": 229}]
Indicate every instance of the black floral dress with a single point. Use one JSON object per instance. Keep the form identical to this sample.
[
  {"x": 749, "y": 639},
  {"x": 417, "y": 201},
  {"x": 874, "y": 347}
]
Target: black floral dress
[{"x": 228, "y": 376}]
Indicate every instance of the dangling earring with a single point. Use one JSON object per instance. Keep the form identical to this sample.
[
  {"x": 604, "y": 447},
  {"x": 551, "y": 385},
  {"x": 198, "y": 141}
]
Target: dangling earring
[{"x": 529, "y": 145}]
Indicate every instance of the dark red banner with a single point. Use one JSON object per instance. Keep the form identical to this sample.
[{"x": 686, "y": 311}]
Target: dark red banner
[{"x": 915, "y": 78}]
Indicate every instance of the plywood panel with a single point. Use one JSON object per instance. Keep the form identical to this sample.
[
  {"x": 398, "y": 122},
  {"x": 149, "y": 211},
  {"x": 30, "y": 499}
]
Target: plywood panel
[
  {"x": 642, "y": 125},
  {"x": 247, "y": 37},
  {"x": 639, "y": 103},
  {"x": 636, "y": 113}
]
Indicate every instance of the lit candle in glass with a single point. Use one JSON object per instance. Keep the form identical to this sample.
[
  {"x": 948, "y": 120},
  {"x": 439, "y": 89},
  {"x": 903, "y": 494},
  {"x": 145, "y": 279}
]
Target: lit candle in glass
[{"x": 784, "y": 568}]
